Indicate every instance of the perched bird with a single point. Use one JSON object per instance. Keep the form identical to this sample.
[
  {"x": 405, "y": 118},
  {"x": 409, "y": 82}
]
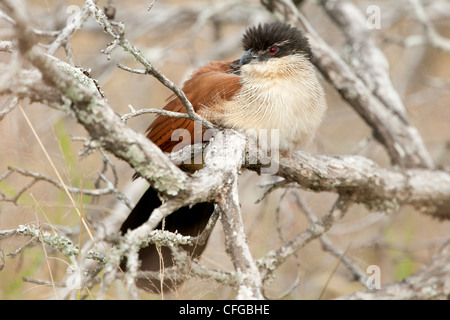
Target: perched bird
[{"x": 272, "y": 86}]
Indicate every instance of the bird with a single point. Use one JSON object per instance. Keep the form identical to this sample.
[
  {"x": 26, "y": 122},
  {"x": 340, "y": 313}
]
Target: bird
[{"x": 274, "y": 85}]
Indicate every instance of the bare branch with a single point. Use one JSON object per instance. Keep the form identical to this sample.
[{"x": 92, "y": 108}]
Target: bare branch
[
  {"x": 366, "y": 58},
  {"x": 110, "y": 189},
  {"x": 273, "y": 259},
  {"x": 37, "y": 236},
  {"x": 432, "y": 36},
  {"x": 235, "y": 240},
  {"x": 119, "y": 40},
  {"x": 429, "y": 283},
  {"x": 73, "y": 25},
  {"x": 139, "y": 112},
  {"x": 378, "y": 188},
  {"x": 327, "y": 244}
]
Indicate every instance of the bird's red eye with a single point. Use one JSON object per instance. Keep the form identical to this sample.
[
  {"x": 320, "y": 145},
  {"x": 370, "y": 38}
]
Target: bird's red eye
[{"x": 273, "y": 50}]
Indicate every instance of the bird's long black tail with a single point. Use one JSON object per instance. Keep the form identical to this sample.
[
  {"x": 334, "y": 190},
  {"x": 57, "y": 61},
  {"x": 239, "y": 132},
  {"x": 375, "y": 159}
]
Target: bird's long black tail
[{"x": 188, "y": 221}]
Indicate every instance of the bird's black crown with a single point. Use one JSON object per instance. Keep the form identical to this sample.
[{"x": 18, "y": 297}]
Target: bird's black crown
[{"x": 289, "y": 39}]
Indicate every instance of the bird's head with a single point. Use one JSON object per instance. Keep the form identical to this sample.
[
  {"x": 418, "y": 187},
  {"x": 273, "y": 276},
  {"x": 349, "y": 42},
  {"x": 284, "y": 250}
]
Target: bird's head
[{"x": 272, "y": 41}]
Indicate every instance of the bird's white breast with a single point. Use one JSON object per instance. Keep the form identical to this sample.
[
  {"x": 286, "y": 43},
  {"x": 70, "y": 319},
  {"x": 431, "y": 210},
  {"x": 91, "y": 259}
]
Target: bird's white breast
[{"x": 281, "y": 93}]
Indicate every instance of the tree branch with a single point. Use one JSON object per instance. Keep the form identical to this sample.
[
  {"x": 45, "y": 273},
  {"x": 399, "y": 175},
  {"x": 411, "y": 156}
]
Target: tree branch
[
  {"x": 378, "y": 188},
  {"x": 119, "y": 40},
  {"x": 432, "y": 282},
  {"x": 432, "y": 36}
]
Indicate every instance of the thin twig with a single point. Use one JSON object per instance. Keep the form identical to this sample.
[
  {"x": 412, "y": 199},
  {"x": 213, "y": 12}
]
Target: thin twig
[
  {"x": 116, "y": 31},
  {"x": 163, "y": 112},
  {"x": 328, "y": 245},
  {"x": 433, "y": 37},
  {"x": 274, "y": 259}
]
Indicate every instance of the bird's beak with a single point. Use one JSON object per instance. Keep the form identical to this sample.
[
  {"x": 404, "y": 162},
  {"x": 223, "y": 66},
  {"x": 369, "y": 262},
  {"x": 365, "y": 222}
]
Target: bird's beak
[{"x": 248, "y": 57}]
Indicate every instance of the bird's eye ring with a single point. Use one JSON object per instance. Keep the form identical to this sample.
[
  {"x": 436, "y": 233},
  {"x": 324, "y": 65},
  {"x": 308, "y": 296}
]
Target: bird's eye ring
[{"x": 273, "y": 50}]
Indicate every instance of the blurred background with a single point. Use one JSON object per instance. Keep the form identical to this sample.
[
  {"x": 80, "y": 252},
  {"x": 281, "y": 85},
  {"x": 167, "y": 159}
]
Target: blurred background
[{"x": 177, "y": 37}]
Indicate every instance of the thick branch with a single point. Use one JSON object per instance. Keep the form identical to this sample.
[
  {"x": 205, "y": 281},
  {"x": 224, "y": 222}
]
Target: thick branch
[
  {"x": 378, "y": 188},
  {"x": 217, "y": 180},
  {"x": 366, "y": 58},
  {"x": 235, "y": 240}
]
